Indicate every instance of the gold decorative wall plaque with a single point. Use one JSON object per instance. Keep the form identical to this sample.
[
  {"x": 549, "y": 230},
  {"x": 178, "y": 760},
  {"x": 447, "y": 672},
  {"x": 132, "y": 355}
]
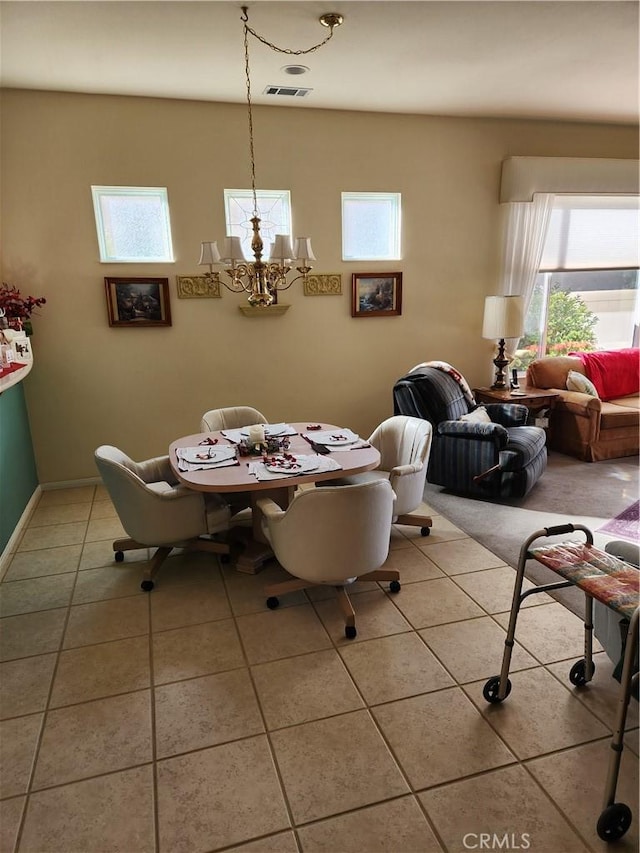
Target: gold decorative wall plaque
[
  {"x": 323, "y": 285},
  {"x": 197, "y": 287}
]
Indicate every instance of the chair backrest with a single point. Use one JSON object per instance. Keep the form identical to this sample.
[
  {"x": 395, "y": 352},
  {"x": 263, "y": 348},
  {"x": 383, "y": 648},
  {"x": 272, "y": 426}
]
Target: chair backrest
[
  {"x": 233, "y": 417},
  {"x": 329, "y": 535},
  {"x": 431, "y": 394},
  {"x": 147, "y": 517},
  {"x": 404, "y": 441}
]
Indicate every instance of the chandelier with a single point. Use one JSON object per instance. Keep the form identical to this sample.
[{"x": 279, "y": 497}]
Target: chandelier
[{"x": 262, "y": 278}]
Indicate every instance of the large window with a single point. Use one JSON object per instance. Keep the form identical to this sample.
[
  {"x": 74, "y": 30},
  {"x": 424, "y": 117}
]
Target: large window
[
  {"x": 274, "y": 210},
  {"x": 371, "y": 226},
  {"x": 586, "y": 293},
  {"x": 133, "y": 224}
]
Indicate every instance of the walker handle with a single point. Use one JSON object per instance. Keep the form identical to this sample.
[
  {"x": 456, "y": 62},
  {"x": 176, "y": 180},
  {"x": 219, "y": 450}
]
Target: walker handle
[{"x": 559, "y": 529}]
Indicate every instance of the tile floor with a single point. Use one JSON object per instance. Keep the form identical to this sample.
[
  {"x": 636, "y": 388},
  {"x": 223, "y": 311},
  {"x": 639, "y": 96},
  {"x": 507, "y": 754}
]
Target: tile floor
[{"x": 194, "y": 719}]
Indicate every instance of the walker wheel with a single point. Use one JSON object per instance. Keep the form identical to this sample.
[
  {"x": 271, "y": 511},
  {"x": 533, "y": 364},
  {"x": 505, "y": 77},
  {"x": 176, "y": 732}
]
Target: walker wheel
[
  {"x": 272, "y": 602},
  {"x": 147, "y": 586},
  {"x": 614, "y": 821},
  {"x": 350, "y": 632},
  {"x": 491, "y": 688},
  {"x": 119, "y": 556},
  {"x": 425, "y": 531},
  {"x": 578, "y": 673},
  {"x": 394, "y": 586}
]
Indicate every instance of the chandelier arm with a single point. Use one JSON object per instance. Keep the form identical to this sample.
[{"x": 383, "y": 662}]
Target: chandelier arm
[
  {"x": 236, "y": 285},
  {"x": 293, "y": 280}
]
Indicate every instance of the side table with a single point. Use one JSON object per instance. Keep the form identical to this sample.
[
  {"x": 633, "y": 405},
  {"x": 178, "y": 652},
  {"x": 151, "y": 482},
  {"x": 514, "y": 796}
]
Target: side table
[{"x": 535, "y": 399}]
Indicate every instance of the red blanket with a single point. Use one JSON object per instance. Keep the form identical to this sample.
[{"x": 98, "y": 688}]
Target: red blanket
[{"x": 615, "y": 373}]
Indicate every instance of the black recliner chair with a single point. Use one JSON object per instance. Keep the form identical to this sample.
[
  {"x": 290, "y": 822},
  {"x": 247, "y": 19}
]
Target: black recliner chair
[{"x": 502, "y": 459}]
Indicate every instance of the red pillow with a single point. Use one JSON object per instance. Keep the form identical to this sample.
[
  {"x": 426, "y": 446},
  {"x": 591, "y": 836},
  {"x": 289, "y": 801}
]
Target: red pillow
[{"x": 615, "y": 373}]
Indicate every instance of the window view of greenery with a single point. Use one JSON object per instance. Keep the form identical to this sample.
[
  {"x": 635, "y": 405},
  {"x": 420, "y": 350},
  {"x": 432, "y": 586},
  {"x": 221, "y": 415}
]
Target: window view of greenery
[{"x": 578, "y": 312}]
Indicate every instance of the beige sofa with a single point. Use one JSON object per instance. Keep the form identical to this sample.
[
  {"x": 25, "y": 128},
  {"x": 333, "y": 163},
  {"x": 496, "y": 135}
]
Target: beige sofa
[{"x": 582, "y": 425}]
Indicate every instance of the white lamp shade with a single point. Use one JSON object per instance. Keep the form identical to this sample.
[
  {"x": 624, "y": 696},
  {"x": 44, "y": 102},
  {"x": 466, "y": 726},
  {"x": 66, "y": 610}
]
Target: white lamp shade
[
  {"x": 503, "y": 317},
  {"x": 232, "y": 250},
  {"x": 304, "y": 252},
  {"x": 281, "y": 250},
  {"x": 209, "y": 253}
]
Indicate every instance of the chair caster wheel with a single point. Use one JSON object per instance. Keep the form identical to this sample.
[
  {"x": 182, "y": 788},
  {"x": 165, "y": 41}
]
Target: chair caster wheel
[
  {"x": 614, "y": 821},
  {"x": 147, "y": 586},
  {"x": 425, "y": 531},
  {"x": 490, "y": 689},
  {"x": 119, "y": 556},
  {"x": 272, "y": 602},
  {"x": 350, "y": 632},
  {"x": 578, "y": 673},
  {"x": 394, "y": 586}
]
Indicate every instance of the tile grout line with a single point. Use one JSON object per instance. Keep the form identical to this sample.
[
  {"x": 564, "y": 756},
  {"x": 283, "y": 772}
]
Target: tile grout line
[{"x": 38, "y": 745}]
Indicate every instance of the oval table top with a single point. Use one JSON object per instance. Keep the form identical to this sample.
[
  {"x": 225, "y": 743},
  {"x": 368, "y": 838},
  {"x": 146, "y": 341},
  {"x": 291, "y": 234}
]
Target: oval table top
[{"x": 236, "y": 478}]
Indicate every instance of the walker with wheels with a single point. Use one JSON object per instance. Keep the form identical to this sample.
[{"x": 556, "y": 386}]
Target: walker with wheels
[{"x": 613, "y": 582}]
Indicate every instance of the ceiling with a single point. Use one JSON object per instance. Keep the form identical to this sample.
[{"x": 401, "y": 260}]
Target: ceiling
[{"x": 569, "y": 60}]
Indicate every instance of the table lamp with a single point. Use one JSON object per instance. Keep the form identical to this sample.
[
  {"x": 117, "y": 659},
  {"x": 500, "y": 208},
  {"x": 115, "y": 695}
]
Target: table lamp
[{"x": 503, "y": 318}]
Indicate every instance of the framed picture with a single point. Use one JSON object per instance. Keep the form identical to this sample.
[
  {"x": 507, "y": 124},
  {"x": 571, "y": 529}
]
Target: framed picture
[
  {"x": 376, "y": 294},
  {"x": 138, "y": 302},
  {"x": 22, "y": 348}
]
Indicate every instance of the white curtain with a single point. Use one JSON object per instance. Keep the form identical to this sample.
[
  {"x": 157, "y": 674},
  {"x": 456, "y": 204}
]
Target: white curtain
[{"x": 525, "y": 233}]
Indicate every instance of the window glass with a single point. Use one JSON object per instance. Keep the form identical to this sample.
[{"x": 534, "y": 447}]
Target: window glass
[
  {"x": 274, "y": 210},
  {"x": 586, "y": 294},
  {"x": 370, "y": 226},
  {"x": 133, "y": 224}
]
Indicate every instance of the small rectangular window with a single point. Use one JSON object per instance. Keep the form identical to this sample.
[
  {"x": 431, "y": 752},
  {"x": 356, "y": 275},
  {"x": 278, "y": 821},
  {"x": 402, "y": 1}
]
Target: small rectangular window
[
  {"x": 274, "y": 211},
  {"x": 133, "y": 224},
  {"x": 371, "y": 226}
]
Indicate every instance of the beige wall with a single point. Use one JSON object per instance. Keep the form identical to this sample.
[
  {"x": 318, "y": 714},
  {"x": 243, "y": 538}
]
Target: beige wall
[{"x": 138, "y": 389}]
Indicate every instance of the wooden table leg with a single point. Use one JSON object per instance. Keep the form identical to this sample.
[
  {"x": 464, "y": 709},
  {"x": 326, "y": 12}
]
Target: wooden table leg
[{"x": 256, "y": 549}]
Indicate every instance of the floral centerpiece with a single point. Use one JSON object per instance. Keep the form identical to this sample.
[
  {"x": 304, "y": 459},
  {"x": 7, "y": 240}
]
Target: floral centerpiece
[{"x": 16, "y": 309}]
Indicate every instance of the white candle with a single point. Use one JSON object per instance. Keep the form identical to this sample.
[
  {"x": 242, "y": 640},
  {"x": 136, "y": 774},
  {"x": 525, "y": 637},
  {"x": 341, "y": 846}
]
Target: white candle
[{"x": 256, "y": 434}]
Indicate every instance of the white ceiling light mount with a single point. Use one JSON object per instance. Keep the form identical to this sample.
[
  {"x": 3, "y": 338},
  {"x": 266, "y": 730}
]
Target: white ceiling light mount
[
  {"x": 262, "y": 280},
  {"x": 295, "y": 69}
]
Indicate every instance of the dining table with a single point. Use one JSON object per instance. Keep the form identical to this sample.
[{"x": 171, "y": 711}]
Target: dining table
[{"x": 312, "y": 462}]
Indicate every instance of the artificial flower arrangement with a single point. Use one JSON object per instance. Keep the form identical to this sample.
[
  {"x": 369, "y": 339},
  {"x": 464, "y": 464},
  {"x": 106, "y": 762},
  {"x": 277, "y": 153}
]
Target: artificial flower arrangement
[{"x": 17, "y": 309}]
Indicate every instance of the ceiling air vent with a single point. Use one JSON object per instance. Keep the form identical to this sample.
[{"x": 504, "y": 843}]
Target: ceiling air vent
[{"x": 287, "y": 91}]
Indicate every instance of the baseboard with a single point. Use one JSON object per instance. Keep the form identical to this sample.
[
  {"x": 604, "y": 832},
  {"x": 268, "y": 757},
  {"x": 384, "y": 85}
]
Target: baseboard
[
  {"x": 71, "y": 484},
  {"x": 11, "y": 545}
]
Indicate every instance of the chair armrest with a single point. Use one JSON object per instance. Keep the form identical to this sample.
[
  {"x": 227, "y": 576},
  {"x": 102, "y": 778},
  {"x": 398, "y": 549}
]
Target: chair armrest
[
  {"x": 269, "y": 508},
  {"x": 474, "y": 431},
  {"x": 155, "y": 470},
  {"x": 579, "y": 403},
  {"x": 404, "y": 470},
  {"x": 508, "y": 414},
  {"x": 168, "y": 492}
]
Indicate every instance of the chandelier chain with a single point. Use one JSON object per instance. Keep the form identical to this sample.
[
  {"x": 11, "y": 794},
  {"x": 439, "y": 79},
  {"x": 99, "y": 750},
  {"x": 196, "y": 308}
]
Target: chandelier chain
[
  {"x": 247, "y": 30},
  {"x": 250, "y": 120},
  {"x": 288, "y": 50}
]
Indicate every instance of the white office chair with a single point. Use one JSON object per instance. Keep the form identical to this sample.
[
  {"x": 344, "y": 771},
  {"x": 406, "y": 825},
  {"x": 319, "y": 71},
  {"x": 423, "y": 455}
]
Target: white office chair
[
  {"x": 231, "y": 418},
  {"x": 158, "y": 512},
  {"x": 404, "y": 444},
  {"x": 334, "y": 537}
]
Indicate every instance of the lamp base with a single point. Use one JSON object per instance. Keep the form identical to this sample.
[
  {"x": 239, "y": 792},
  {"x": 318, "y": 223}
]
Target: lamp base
[{"x": 501, "y": 363}]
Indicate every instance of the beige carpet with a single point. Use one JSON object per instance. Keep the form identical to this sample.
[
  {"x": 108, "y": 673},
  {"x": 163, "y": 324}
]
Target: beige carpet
[{"x": 570, "y": 491}]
